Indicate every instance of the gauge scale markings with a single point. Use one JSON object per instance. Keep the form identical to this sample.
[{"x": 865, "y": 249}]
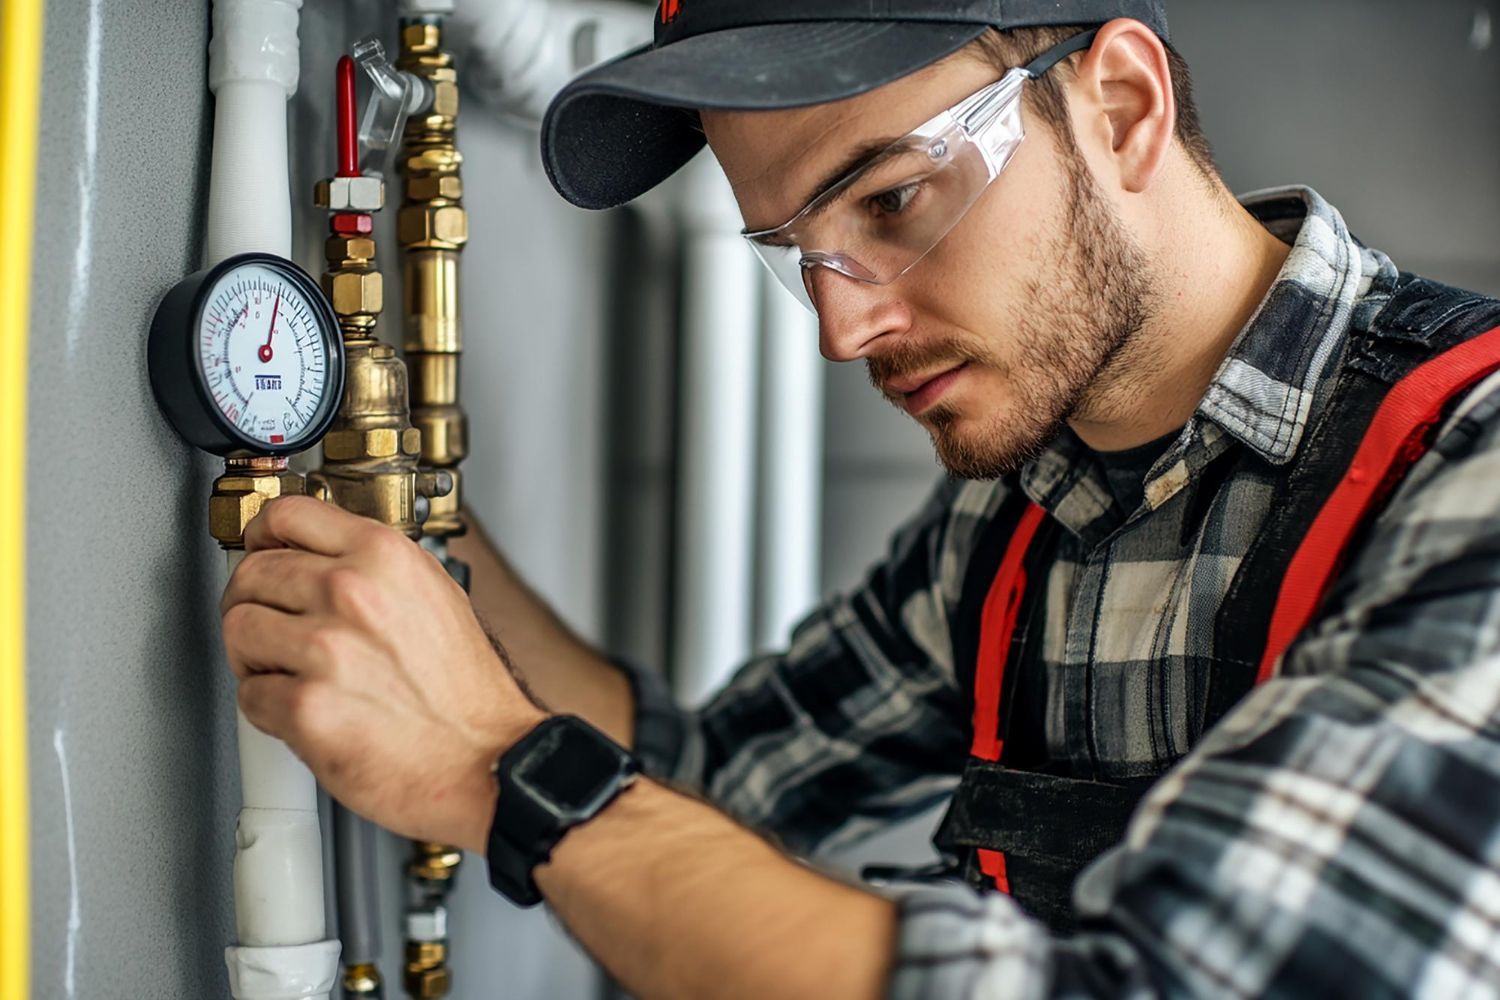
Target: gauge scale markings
[{"x": 272, "y": 343}]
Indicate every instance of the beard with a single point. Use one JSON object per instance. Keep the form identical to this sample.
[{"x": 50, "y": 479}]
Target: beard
[{"x": 1072, "y": 332}]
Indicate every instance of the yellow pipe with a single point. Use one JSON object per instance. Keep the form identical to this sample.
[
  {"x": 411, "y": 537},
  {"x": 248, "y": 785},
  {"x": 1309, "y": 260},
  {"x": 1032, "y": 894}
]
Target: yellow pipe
[{"x": 20, "y": 92}]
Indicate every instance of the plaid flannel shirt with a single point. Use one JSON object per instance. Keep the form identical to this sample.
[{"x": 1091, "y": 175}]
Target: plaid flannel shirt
[{"x": 1338, "y": 833}]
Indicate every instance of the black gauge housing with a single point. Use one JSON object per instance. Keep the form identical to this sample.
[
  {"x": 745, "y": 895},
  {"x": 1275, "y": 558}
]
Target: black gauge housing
[{"x": 178, "y": 380}]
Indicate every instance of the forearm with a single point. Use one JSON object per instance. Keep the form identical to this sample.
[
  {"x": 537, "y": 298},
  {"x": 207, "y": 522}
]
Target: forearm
[
  {"x": 677, "y": 901},
  {"x": 562, "y": 670}
]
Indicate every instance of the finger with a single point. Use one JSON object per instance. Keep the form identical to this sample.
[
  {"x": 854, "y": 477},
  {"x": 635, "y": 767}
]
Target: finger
[
  {"x": 288, "y": 580},
  {"x": 262, "y": 640},
  {"x": 270, "y": 702},
  {"x": 304, "y": 523}
]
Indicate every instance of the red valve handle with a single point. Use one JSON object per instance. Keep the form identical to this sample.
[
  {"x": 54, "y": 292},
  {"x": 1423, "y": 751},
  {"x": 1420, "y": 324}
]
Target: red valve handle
[{"x": 348, "y": 133}]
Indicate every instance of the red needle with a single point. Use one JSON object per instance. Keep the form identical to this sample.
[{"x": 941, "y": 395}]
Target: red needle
[{"x": 265, "y": 349}]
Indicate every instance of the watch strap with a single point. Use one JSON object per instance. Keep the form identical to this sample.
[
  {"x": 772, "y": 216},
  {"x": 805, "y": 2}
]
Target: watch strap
[{"x": 530, "y": 818}]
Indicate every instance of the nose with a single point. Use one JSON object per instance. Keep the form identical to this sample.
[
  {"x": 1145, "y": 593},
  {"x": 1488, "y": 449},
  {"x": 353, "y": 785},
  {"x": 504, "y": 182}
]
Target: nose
[{"x": 852, "y": 314}]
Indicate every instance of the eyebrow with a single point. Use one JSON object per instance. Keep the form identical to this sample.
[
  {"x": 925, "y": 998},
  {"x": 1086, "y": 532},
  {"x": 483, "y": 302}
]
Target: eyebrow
[{"x": 861, "y": 156}]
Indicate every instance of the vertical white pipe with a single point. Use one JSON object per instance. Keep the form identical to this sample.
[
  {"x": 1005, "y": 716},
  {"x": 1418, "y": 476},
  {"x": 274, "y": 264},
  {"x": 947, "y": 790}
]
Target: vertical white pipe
[
  {"x": 789, "y": 536},
  {"x": 252, "y": 71},
  {"x": 717, "y": 456},
  {"x": 281, "y": 952}
]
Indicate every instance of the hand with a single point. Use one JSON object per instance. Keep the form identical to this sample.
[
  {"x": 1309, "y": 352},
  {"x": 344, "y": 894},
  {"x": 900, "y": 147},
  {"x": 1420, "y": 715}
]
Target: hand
[{"x": 354, "y": 646}]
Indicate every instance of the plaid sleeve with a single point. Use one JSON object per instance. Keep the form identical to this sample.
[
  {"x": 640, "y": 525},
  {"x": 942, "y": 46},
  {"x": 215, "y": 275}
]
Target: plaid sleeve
[
  {"x": 860, "y": 721},
  {"x": 1337, "y": 835}
]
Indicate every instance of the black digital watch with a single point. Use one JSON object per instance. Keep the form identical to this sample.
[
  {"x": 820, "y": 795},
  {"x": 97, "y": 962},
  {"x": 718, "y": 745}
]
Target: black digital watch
[{"x": 562, "y": 773}]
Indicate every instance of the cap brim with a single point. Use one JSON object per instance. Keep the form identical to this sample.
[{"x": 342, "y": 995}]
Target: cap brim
[{"x": 619, "y": 130}]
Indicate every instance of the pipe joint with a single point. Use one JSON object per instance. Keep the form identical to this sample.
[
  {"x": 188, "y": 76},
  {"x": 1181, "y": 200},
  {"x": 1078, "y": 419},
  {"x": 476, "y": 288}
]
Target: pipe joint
[
  {"x": 254, "y": 41},
  {"x": 291, "y": 972}
]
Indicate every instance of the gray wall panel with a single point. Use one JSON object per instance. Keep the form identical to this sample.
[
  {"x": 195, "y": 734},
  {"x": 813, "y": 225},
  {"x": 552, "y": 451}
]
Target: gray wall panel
[{"x": 131, "y": 711}]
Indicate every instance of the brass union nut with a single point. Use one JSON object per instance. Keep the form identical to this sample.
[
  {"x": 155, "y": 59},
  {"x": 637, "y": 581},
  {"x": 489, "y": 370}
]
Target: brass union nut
[
  {"x": 427, "y": 187},
  {"x": 345, "y": 446},
  {"x": 355, "y": 292},
  {"x": 238, "y": 498},
  {"x": 418, "y": 224}
]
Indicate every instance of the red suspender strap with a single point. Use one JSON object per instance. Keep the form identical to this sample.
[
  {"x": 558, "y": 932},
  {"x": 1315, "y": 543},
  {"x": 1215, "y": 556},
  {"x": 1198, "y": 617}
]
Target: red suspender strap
[
  {"x": 1393, "y": 443},
  {"x": 1002, "y": 607}
]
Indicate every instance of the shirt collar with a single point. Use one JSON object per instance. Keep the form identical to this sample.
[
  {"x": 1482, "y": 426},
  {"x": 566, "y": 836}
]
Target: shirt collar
[
  {"x": 1264, "y": 390},
  {"x": 1263, "y": 393}
]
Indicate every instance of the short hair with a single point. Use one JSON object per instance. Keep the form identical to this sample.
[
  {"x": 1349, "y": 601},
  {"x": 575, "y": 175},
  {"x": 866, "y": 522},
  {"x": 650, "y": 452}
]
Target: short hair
[{"x": 1018, "y": 46}]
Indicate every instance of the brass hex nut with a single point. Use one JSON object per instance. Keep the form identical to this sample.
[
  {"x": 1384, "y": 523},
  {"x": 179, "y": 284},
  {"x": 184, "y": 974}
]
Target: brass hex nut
[
  {"x": 346, "y": 446},
  {"x": 427, "y": 984},
  {"x": 236, "y": 499},
  {"x": 420, "y": 37},
  {"x": 444, "y": 96},
  {"x": 344, "y": 248},
  {"x": 355, "y": 292},
  {"x": 416, "y": 224},
  {"x": 350, "y": 194},
  {"x": 427, "y": 187},
  {"x": 411, "y": 441}
]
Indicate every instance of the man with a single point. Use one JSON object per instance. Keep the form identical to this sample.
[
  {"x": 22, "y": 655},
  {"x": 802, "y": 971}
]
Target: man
[{"x": 1222, "y": 524}]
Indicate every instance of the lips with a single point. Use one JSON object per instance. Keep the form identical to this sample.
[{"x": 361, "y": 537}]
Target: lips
[{"x": 920, "y": 393}]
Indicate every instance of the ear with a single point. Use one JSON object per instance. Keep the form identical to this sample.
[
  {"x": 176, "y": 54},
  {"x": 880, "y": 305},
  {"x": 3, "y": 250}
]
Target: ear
[{"x": 1124, "y": 87}]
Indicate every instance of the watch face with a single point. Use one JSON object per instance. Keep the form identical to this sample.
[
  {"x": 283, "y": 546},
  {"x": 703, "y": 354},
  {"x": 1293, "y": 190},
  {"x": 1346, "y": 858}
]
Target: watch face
[{"x": 572, "y": 768}]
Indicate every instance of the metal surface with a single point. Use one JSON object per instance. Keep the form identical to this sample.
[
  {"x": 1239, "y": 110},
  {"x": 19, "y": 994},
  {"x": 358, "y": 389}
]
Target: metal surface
[
  {"x": 131, "y": 712},
  {"x": 247, "y": 485},
  {"x": 433, "y": 227},
  {"x": 370, "y": 452}
]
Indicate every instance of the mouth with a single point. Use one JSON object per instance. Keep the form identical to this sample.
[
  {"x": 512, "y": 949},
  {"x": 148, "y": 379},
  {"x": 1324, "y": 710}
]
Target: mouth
[{"x": 921, "y": 393}]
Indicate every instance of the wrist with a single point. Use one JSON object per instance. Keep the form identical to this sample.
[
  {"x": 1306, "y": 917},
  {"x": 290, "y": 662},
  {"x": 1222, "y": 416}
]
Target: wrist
[
  {"x": 480, "y": 789},
  {"x": 561, "y": 775}
]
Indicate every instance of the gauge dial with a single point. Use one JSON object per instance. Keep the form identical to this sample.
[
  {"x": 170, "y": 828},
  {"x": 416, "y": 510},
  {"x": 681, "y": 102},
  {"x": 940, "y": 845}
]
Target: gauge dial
[
  {"x": 264, "y": 360},
  {"x": 246, "y": 357}
]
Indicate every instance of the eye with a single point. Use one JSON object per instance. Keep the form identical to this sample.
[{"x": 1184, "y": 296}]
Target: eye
[{"x": 896, "y": 200}]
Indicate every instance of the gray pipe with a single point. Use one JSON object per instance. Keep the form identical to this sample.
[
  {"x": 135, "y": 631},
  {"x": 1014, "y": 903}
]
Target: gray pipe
[{"x": 358, "y": 887}]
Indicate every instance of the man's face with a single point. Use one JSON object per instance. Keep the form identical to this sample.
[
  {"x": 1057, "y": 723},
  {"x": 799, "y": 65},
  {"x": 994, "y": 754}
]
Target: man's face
[{"x": 1010, "y": 325}]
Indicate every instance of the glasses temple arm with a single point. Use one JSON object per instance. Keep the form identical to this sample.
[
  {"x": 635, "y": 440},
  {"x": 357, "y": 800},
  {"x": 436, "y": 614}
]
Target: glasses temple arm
[{"x": 1042, "y": 63}]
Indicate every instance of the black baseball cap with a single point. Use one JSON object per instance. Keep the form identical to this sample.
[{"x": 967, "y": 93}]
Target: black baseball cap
[{"x": 620, "y": 129}]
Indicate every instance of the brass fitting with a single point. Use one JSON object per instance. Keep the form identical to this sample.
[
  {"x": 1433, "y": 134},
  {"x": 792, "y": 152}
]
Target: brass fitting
[
  {"x": 433, "y": 227},
  {"x": 435, "y": 863},
  {"x": 362, "y": 980},
  {"x": 370, "y": 453},
  {"x": 426, "y": 974},
  {"x": 246, "y": 486},
  {"x": 350, "y": 194}
]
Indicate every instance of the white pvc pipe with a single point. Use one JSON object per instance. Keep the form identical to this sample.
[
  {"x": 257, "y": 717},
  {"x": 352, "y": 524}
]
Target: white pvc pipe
[
  {"x": 789, "y": 535},
  {"x": 252, "y": 71},
  {"x": 521, "y": 52},
  {"x": 282, "y": 952},
  {"x": 717, "y": 457},
  {"x": 278, "y": 874}
]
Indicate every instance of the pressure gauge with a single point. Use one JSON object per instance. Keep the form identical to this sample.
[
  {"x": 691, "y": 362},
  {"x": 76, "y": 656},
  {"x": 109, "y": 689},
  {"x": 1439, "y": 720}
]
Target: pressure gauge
[{"x": 246, "y": 356}]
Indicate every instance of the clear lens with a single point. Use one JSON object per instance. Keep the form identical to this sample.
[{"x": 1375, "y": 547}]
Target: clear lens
[{"x": 880, "y": 221}]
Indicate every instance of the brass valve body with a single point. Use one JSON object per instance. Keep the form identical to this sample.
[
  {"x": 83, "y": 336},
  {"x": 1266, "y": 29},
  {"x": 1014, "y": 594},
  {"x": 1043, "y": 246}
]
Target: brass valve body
[
  {"x": 246, "y": 486},
  {"x": 371, "y": 451},
  {"x": 432, "y": 227}
]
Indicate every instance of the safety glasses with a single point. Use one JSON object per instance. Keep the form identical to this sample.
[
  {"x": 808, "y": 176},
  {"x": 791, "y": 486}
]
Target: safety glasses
[{"x": 876, "y": 223}]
